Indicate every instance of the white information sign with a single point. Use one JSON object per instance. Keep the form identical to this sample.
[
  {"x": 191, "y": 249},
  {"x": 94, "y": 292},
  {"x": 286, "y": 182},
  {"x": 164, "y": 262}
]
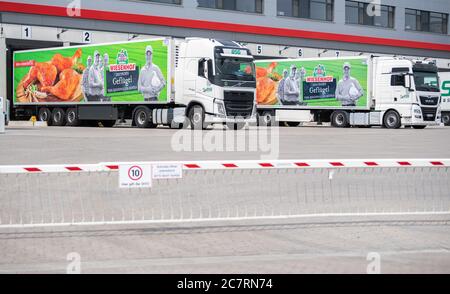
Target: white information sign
[{"x": 167, "y": 171}]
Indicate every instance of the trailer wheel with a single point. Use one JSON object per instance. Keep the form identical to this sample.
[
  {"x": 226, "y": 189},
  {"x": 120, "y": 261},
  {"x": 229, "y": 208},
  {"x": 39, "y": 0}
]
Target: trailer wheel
[
  {"x": 419, "y": 127},
  {"x": 197, "y": 117},
  {"x": 142, "y": 118},
  {"x": 446, "y": 118},
  {"x": 339, "y": 119},
  {"x": 72, "y": 117},
  {"x": 45, "y": 115},
  {"x": 58, "y": 117},
  {"x": 392, "y": 120},
  {"x": 266, "y": 119}
]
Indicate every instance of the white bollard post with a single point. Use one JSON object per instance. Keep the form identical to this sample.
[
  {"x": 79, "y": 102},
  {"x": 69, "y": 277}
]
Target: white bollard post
[{"x": 2, "y": 116}]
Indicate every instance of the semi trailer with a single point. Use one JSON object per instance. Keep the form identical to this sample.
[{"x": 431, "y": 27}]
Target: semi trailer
[
  {"x": 359, "y": 91},
  {"x": 444, "y": 79},
  {"x": 164, "y": 81}
]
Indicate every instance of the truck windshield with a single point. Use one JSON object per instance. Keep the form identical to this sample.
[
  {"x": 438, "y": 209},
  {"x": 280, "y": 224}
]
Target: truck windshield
[
  {"x": 426, "y": 81},
  {"x": 235, "y": 69}
]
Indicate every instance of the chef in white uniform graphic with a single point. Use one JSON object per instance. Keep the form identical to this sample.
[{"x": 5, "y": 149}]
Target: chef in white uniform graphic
[
  {"x": 348, "y": 90},
  {"x": 151, "y": 81}
]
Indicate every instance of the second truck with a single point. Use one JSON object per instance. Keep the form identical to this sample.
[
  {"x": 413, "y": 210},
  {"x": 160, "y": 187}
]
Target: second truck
[{"x": 354, "y": 91}]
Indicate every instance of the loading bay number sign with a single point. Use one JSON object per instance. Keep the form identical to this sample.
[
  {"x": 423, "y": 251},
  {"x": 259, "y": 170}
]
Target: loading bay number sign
[{"x": 135, "y": 176}]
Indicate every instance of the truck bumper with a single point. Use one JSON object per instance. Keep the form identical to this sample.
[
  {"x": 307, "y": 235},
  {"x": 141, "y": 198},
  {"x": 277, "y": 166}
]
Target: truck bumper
[
  {"x": 215, "y": 119},
  {"x": 409, "y": 121}
]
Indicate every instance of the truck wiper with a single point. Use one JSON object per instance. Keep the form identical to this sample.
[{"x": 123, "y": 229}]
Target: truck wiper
[{"x": 428, "y": 88}]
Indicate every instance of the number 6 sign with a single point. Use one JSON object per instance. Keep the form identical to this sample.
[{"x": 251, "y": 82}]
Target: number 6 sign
[{"x": 135, "y": 176}]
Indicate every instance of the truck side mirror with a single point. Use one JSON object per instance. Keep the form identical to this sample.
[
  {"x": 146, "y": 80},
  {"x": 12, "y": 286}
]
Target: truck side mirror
[
  {"x": 205, "y": 70},
  {"x": 408, "y": 82}
]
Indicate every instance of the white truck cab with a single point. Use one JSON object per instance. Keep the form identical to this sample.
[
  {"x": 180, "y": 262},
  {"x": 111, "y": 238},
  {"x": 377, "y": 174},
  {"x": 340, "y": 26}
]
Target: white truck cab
[
  {"x": 407, "y": 90},
  {"x": 216, "y": 82}
]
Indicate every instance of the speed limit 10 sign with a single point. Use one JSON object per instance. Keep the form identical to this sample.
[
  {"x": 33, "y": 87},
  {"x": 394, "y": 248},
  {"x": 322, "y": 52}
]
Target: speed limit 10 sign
[{"x": 135, "y": 176}]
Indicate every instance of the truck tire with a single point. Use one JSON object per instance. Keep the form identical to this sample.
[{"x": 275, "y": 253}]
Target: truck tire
[
  {"x": 197, "y": 117},
  {"x": 142, "y": 118},
  {"x": 339, "y": 119},
  {"x": 419, "y": 127},
  {"x": 108, "y": 123},
  {"x": 291, "y": 124},
  {"x": 265, "y": 119},
  {"x": 392, "y": 120},
  {"x": 58, "y": 117},
  {"x": 72, "y": 118},
  {"x": 446, "y": 118},
  {"x": 45, "y": 115}
]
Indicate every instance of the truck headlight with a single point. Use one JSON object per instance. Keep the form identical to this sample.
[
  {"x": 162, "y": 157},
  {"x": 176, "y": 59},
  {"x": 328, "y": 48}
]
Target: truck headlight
[
  {"x": 220, "y": 108},
  {"x": 417, "y": 112}
]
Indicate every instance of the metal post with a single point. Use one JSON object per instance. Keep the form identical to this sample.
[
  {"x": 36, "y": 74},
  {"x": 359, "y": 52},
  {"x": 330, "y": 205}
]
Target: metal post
[{"x": 2, "y": 116}]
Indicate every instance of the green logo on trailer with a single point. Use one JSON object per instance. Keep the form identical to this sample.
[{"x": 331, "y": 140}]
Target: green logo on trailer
[
  {"x": 319, "y": 71},
  {"x": 446, "y": 89},
  {"x": 122, "y": 57}
]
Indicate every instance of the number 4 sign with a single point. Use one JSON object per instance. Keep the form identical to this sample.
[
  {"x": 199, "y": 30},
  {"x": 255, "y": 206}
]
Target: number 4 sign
[{"x": 135, "y": 176}]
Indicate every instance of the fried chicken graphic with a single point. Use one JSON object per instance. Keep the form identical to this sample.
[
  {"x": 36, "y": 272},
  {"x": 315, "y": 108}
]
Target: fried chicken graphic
[
  {"x": 69, "y": 80},
  {"x": 47, "y": 72},
  {"x": 266, "y": 86},
  {"x": 44, "y": 72},
  {"x": 63, "y": 63}
]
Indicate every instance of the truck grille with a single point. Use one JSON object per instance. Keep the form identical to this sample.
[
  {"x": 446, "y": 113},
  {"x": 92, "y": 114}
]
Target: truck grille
[
  {"x": 239, "y": 103},
  {"x": 429, "y": 113},
  {"x": 424, "y": 100}
]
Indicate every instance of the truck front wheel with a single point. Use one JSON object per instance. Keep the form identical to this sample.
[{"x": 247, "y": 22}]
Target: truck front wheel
[
  {"x": 392, "y": 120},
  {"x": 446, "y": 118},
  {"x": 58, "y": 117},
  {"x": 197, "y": 117},
  {"x": 339, "y": 119},
  {"x": 291, "y": 124},
  {"x": 45, "y": 115}
]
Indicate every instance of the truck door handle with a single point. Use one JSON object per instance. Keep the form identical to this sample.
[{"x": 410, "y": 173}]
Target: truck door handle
[{"x": 395, "y": 99}]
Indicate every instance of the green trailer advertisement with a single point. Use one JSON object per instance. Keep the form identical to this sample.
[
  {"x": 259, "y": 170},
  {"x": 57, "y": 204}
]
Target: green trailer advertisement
[
  {"x": 127, "y": 72},
  {"x": 324, "y": 82}
]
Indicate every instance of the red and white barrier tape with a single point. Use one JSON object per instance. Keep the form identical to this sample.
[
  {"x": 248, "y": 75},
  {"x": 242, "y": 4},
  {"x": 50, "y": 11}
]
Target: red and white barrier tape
[{"x": 229, "y": 165}]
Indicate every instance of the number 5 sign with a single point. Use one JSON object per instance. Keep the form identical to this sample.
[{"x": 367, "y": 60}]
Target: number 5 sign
[{"x": 135, "y": 176}]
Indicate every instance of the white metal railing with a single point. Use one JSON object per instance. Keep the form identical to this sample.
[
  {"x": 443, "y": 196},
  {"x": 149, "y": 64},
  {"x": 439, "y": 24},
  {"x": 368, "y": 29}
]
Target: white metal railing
[{"x": 63, "y": 195}]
